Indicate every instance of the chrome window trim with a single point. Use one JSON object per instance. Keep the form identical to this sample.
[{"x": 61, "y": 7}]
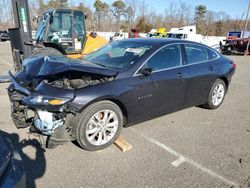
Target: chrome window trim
[{"x": 181, "y": 63}]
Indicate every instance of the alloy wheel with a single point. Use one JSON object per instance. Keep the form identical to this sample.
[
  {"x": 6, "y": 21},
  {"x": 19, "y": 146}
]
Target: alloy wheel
[
  {"x": 218, "y": 94},
  {"x": 102, "y": 127}
]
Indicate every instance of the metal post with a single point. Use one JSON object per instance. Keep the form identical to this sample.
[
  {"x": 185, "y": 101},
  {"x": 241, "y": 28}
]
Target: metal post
[
  {"x": 248, "y": 10},
  {"x": 247, "y": 49},
  {"x": 21, "y": 36}
]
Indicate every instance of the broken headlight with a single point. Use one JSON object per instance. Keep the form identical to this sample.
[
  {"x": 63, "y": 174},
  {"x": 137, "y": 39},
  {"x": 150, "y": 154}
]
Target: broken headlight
[{"x": 45, "y": 100}]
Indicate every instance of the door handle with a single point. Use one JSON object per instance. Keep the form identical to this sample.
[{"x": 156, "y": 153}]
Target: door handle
[
  {"x": 210, "y": 68},
  {"x": 179, "y": 75}
]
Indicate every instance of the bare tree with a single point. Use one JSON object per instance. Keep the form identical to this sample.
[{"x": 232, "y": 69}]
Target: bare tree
[
  {"x": 183, "y": 13},
  {"x": 210, "y": 26},
  {"x": 101, "y": 8},
  {"x": 6, "y": 15},
  {"x": 119, "y": 10},
  {"x": 171, "y": 15},
  {"x": 142, "y": 10},
  {"x": 132, "y": 13},
  {"x": 133, "y": 8}
]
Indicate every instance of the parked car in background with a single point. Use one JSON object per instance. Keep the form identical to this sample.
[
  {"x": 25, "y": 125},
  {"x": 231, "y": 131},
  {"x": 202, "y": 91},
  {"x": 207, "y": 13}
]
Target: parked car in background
[
  {"x": 236, "y": 42},
  {"x": 151, "y": 33},
  {"x": 4, "y": 37},
  {"x": 134, "y": 33},
  {"x": 161, "y": 32},
  {"x": 1, "y": 32},
  {"x": 12, "y": 173},
  {"x": 117, "y": 36},
  {"x": 123, "y": 83}
]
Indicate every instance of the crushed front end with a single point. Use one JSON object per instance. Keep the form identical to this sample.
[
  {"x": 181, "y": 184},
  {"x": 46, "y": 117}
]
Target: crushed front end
[
  {"x": 43, "y": 114},
  {"x": 42, "y": 95}
]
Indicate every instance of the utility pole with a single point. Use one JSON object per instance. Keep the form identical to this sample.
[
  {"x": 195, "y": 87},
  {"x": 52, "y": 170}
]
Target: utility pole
[
  {"x": 248, "y": 10},
  {"x": 240, "y": 22}
]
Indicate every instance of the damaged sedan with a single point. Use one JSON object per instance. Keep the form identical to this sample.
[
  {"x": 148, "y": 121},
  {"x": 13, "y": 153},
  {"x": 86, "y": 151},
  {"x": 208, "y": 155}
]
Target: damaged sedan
[{"x": 123, "y": 83}]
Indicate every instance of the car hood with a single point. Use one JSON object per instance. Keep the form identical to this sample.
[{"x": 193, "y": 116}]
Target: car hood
[{"x": 43, "y": 66}]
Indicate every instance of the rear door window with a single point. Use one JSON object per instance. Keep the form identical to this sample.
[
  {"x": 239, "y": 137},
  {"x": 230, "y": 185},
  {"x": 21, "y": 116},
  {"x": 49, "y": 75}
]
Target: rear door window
[
  {"x": 211, "y": 54},
  {"x": 195, "y": 53}
]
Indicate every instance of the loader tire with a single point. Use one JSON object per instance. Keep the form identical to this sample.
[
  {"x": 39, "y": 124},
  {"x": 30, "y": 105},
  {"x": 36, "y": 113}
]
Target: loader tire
[{"x": 46, "y": 51}]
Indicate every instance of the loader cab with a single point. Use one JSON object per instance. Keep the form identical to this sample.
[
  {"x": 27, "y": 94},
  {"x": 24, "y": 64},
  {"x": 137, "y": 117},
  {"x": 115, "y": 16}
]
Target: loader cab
[{"x": 63, "y": 29}]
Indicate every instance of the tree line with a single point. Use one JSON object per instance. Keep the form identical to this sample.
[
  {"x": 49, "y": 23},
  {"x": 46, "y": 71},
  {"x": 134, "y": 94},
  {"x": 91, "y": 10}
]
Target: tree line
[{"x": 128, "y": 14}]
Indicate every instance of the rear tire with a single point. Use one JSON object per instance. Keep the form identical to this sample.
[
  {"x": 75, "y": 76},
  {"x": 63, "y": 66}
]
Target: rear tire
[
  {"x": 216, "y": 95},
  {"x": 99, "y": 125}
]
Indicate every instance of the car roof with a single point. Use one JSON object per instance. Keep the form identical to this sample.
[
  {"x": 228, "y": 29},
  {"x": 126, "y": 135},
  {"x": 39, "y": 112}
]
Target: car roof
[{"x": 156, "y": 41}]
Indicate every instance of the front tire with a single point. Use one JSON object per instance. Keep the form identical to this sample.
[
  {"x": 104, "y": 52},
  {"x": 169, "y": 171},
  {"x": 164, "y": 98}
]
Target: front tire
[
  {"x": 99, "y": 125},
  {"x": 216, "y": 95}
]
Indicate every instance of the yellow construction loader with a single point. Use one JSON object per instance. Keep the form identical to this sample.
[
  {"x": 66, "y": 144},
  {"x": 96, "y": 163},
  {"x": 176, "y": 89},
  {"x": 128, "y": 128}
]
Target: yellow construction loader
[{"x": 59, "y": 32}]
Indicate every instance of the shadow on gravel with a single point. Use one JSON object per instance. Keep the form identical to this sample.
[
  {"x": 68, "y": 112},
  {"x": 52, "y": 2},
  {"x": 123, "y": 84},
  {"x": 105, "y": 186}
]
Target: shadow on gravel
[{"x": 34, "y": 165}]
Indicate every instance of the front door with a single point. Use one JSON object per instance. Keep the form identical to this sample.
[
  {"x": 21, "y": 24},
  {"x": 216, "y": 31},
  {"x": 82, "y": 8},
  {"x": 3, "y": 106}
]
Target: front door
[{"x": 165, "y": 88}]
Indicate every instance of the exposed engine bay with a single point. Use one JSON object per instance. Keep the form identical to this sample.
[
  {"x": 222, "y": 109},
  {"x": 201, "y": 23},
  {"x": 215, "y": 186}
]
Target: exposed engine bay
[
  {"x": 47, "y": 122},
  {"x": 42, "y": 95},
  {"x": 76, "y": 80}
]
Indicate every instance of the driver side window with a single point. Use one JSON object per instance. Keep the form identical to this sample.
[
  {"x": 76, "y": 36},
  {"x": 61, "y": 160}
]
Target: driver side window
[{"x": 167, "y": 57}]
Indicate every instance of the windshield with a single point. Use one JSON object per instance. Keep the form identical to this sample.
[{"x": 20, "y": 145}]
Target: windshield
[
  {"x": 150, "y": 35},
  {"x": 41, "y": 27},
  {"x": 66, "y": 28},
  {"x": 177, "y": 36},
  {"x": 118, "y": 55},
  {"x": 234, "y": 34},
  {"x": 169, "y": 35}
]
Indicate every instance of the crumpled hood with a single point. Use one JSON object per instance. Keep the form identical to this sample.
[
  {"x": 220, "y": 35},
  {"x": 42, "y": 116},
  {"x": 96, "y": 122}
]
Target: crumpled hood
[{"x": 51, "y": 65}]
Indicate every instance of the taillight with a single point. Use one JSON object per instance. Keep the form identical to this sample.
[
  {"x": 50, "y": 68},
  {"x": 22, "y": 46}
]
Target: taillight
[{"x": 234, "y": 65}]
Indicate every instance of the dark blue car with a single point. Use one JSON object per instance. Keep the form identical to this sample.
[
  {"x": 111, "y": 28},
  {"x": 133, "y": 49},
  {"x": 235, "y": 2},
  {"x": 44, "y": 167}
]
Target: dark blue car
[
  {"x": 12, "y": 173},
  {"x": 121, "y": 84}
]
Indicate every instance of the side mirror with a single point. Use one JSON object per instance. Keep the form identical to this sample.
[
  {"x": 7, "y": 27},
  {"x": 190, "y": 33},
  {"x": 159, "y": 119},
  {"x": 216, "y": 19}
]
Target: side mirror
[
  {"x": 36, "y": 19},
  {"x": 146, "y": 71},
  {"x": 51, "y": 19},
  {"x": 93, "y": 34}
]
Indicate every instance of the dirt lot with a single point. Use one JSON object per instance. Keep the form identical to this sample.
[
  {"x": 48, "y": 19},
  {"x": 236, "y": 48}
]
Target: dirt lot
[{"x": 191, "y": 148}]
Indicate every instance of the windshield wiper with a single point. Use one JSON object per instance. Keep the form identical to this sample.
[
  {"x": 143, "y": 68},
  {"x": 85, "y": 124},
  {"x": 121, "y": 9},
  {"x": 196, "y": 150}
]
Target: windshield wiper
[{"x": 100, "y": 65}]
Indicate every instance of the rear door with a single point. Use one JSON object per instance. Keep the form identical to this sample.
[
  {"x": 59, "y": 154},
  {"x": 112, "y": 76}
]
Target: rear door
[{"x": 201, "y": 73}]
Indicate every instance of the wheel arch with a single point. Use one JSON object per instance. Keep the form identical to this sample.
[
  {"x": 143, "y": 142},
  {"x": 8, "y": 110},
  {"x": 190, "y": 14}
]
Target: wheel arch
[
  {"x": 225, "y": 80},
  {"x": 122, "y": 107},
  {"x": 116, "y": 101}
]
